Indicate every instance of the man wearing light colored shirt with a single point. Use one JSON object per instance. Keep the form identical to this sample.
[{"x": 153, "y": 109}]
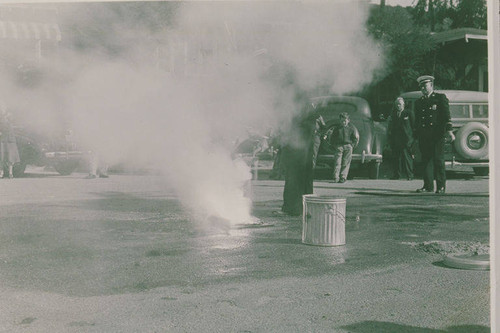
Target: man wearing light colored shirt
[{"x": 343, "y": 139}]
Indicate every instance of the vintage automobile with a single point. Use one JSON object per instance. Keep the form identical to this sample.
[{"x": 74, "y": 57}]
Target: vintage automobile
[
  {"x": 367, "y": 155},
  {"x": 58, "y": 152},
  {"x": 469, "y": 117},
  {"x": 63, "y": 153}
]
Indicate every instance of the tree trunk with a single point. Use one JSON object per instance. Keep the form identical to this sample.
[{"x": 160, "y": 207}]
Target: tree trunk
[{"x": 431, "y": 14}]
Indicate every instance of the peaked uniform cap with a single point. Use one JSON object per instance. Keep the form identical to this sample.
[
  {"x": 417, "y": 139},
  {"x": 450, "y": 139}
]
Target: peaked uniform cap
[{"x": 425, "y": 78}]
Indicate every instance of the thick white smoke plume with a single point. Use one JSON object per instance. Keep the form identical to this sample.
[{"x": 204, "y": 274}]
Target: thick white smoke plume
[{"x": 174, "y": 96}]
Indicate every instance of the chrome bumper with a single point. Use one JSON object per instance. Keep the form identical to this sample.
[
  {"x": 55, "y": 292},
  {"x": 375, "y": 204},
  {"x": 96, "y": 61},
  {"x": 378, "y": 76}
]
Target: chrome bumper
[
  {"x": 454, "y": 163},
  {"x": 64, "y": 154}
]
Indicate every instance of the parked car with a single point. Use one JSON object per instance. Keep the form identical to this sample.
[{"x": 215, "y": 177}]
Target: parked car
[
  {"x": 58, "y": 152},
  {"x": 469, "y": 117},
  {"x": 257, "y": 151},
  {"x": 63, "y": 153},
  {"x": 367, "y": 156}
]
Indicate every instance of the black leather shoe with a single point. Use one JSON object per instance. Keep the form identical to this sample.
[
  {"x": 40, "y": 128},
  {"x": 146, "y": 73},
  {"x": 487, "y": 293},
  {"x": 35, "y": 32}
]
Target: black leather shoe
[
  {"x": 440, "y": 190},
  {"x": 341, "y": 180},
  {"x": 423, "y": 190}
]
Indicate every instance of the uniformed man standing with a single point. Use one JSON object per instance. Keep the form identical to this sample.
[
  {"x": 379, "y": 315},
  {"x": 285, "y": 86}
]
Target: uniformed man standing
[{"x": 432, "y": 129}]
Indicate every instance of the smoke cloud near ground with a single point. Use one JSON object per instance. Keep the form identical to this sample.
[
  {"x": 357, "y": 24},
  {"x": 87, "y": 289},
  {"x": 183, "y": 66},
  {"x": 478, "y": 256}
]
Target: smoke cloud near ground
[{"x": 175, "y": 96}]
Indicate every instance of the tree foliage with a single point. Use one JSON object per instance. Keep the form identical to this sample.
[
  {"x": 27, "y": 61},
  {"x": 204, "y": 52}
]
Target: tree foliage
[
  {"x": 405, "y": 34},
  {"x": 405, "y": 43},
  {"x": 440, "y": 15},
  {"x": 470, "y": 13}
]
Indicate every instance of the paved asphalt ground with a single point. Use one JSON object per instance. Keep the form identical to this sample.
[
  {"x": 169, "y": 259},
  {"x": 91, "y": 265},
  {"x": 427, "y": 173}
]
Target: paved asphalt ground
[{"x": 122, "y": 255}]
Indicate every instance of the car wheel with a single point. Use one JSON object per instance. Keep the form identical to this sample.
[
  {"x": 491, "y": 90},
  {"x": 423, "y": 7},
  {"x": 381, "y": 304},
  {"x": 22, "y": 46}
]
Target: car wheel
[
  {"x": 471, "y": 141},
  {"x": 66, "y": 167},
  {"x": 481, "y": 171},
  {"x": 373, "y": 170}
]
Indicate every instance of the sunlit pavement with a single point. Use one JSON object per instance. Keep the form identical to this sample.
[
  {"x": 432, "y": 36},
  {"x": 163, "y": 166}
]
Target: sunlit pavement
[{"x": 122, "y": 255}]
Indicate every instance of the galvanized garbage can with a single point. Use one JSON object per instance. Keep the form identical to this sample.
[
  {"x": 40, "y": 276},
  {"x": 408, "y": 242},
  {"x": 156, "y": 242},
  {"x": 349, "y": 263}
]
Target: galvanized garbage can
[{"x": 323, "y": 220}]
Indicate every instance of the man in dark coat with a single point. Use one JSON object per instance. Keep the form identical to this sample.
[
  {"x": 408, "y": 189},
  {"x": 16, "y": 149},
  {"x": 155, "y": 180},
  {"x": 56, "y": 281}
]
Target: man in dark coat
[
  {"x": 400, "y": 134},
  {"x": 432, "y": 128},
  {"x": 297, "y": 157}
]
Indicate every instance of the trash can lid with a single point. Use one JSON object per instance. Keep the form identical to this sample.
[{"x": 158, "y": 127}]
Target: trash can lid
[
  {"x": 468, "y": 261},
  {"x": 323, "y": 198}
]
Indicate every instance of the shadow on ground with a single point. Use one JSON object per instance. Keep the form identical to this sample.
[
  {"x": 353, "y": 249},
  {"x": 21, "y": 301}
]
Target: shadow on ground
[
  {"x": 40, "y": 175},
  {"x": 386, "y": 327}
]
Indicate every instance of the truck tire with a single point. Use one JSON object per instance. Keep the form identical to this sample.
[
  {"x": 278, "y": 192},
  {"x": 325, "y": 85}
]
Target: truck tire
[
  {"x": 65, "y": 168},
  {"x": 471, "y": 141}
]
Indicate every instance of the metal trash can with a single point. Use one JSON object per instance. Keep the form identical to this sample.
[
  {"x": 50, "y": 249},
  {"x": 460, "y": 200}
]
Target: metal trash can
[{"x": 323, "y": 220}]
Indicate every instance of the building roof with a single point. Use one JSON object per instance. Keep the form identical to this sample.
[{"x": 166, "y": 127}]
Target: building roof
[
  {"x": 29, "y": 30},
  {"x": 454, "y": 96},
  {"x": 459, "y": 34}
]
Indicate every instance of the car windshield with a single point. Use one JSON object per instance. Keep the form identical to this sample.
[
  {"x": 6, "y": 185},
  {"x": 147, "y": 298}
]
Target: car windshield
[{"x": 332, "y": 111}]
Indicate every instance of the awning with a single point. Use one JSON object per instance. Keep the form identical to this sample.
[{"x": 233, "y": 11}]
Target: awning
[
  {"x": 460, "y": 34},
  {"x": 29, "y": 30}
]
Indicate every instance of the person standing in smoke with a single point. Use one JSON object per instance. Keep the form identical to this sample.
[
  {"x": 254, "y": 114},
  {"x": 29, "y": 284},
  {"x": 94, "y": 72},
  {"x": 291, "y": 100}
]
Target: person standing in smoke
[
  {"x": 343, "y": 139},
  {"x": 9, "y": 154},
  {"x": 277, "y": 172},
  {"x": 97, "y": 166},
  {"x": 432, "y": 129},
  {"x": 400, "y": 134},
  {"x": 318, "y": 134},
  {"x": 297, "y": 157}
]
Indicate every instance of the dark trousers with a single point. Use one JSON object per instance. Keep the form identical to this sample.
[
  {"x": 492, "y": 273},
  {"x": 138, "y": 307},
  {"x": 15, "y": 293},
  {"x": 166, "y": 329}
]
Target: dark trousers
[
  {"x": 433, "y": 162},
  {"x": 403, "y": 161},
  {"x": 298, "y": 179},
  {"x": 278, "y": 170}
]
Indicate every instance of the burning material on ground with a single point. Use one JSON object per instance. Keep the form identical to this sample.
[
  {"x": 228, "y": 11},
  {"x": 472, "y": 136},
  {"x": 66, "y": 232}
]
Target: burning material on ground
[{"x": 450, "y": 247}]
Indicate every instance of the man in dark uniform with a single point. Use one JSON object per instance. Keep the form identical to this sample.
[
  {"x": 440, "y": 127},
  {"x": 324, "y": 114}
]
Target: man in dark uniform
[
  {"x": 432, "y": 128},
  {"x": 400, "y": 134}
]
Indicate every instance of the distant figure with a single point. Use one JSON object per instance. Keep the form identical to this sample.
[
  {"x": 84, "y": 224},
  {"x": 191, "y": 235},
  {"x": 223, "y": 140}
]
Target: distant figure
[
  {"x": 297, "y": 157},
  {"x": 278, "y": 171},
  {"x": 9, "y": 154},
  {"x": 97, "y": 167},
  {"x": 318, "y": 134},
  {"x": 400, "y": 134},
  {"x": 343, "y": 139},
  {"x": 432, "y": 128}
]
